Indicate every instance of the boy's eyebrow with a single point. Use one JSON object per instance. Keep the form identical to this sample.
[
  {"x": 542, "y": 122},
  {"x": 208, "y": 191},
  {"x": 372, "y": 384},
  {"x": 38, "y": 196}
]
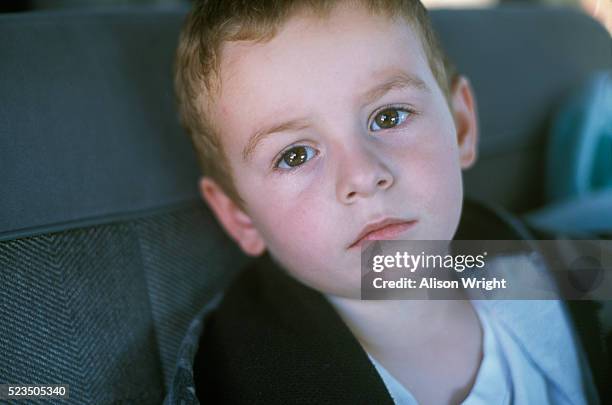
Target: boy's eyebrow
[
  {"x": 292, "y": 125},
  {"x": 399, "y": 80}
]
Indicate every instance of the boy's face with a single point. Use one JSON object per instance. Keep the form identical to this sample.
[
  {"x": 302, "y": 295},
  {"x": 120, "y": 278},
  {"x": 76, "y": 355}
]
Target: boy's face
[{"x": 350, "y": 129}]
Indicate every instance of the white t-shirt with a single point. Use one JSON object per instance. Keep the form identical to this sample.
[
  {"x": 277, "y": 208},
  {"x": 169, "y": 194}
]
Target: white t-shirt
[{"x": 507, "y": 375}]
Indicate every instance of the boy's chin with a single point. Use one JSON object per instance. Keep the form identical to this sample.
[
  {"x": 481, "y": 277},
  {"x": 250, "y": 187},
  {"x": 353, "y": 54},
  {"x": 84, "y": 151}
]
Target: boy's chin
[{"x": 345, "y": 287}]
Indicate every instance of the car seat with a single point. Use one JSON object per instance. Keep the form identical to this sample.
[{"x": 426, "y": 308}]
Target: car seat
[{"x": 107, "y": 252}]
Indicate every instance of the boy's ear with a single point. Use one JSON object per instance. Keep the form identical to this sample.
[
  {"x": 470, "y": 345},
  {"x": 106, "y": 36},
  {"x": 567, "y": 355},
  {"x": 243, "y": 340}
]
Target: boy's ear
[
  {"x": 466, "y": 121},
  {"x": 233, "y": 219}
]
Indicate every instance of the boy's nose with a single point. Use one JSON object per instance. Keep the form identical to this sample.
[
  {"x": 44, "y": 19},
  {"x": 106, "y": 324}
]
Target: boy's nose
[{"x": 361, "y": 174}]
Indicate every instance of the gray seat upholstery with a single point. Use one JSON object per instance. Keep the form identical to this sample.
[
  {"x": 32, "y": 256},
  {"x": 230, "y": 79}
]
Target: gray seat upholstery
[{"x": 106, "y": 252}]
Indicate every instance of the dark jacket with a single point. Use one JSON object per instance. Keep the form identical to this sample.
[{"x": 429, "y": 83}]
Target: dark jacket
[{"x": 273, "y": 340}]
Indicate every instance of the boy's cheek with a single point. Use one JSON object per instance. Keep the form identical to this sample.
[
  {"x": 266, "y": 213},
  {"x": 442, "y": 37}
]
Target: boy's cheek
[
  {"x": 292, "y": 228},
  {"x": 315, "y": 264},
  {"x": 311, "y": 260},
  {"x": 436, "y": 185}
]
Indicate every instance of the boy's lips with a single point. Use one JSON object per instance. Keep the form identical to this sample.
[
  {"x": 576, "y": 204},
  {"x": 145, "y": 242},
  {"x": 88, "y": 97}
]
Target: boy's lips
[{"x": 387, "y": 228}]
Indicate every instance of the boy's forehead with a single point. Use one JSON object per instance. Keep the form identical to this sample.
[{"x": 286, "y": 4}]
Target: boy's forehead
[
  {"x": 310, "y": 32},
  {"x": 351, "y": 54},
  {"x": 326, "y": 37}
]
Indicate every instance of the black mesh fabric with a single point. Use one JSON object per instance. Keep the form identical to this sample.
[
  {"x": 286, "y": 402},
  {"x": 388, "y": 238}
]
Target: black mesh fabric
[
  {"x": 104, "y": 308},
  {"x": 187, "y": 259},
  {"x": 75, "y": 311}
]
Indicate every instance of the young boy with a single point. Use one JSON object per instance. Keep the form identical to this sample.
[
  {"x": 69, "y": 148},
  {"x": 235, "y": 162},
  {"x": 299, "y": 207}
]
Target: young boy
[{"x": 320, "y": 125}]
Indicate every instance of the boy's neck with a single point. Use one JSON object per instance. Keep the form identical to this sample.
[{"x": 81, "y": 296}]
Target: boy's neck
[
  {"x": 433, "y": 348},
  {"x": 389, "y": 326}
]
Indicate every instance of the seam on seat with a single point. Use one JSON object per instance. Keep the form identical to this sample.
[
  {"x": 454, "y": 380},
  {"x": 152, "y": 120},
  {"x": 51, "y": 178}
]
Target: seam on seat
[{"x": 96, "y": 220}]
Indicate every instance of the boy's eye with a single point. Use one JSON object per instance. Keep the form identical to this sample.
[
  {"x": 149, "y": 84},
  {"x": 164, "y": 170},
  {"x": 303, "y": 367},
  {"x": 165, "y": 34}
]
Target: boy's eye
[
  {"x": 389, "y": 118},
  {"x": 295, "y": 156}
]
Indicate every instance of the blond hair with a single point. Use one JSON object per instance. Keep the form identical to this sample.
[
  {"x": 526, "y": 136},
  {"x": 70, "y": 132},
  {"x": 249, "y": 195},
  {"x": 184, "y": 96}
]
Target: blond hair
[{"x": 211, "y": 23}]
